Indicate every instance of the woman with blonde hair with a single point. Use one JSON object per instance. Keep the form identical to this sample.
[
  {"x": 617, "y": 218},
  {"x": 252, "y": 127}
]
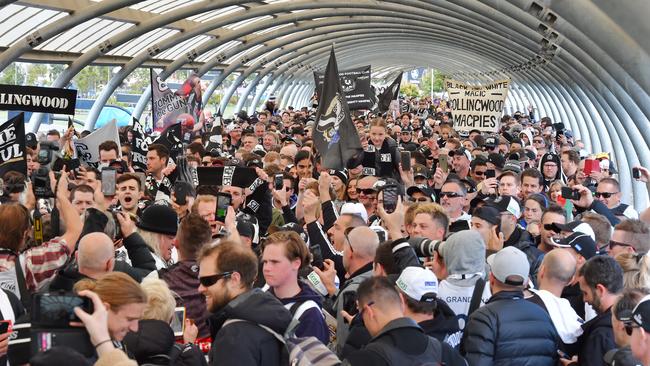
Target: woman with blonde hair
[
  {"x": 154, "y": 341},
  {"x": 636, "y": 269}
]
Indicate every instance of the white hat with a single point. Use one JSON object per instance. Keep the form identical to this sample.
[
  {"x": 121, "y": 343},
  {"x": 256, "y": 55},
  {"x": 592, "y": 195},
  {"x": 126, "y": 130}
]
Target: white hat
[
  {"x": 416, "y": 282},
  {"x": 507, "y": 262},
  {"x": 353, "y": 208}
]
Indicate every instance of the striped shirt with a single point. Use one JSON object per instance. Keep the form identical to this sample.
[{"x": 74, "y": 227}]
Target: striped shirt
[{"x": 40, "y": 263}]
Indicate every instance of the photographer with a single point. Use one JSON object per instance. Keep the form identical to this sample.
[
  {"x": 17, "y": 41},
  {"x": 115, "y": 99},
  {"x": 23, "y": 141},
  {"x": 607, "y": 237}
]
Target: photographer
[
  {"x": 41, "y": 262},
  {"x": 97, "y": 326},
  {"x": 125, "y": 301}
]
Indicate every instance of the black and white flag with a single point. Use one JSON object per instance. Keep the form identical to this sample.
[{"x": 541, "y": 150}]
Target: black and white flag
[
  {"x": 390, "y": 94},
  {"x": 335, "y": 136},
  {"x": 37, "y": 99},
  {"x": 139, "y": 147},
  {"x": 12, "y": 146}
]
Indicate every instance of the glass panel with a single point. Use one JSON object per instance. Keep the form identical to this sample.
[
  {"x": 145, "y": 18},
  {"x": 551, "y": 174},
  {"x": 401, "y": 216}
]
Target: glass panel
[
  {"x": 183, "y": 47},
  {"x": 213, "y": 14},
  {"x": 18, "y": 21},
  {"x": 241, "y": 54},
  {"x": 246, "y": 22},
  {"x": 141, "y": 43},
  {"x": 210, "y": 54}
]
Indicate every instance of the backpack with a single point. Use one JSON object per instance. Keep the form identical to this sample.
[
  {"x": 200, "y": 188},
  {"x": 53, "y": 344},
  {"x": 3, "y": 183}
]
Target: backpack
[
  {"x": 299, "y": 308},
  {"x": 175, "y": 357},
  {"x": 304, "y": 351}
]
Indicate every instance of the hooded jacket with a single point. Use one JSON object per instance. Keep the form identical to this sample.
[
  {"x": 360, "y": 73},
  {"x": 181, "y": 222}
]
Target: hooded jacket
[
  {"x": 312, "y": 322},
  {"x": 597, "y": 339},
  {"x": 245, "y": 343},
  {"x": 400, "y": 342},
  {"x": 509, "y": 330},
  {"x": 444, "y": 325},
  {"x": 153, "y": 343},
  {"x": 555, "y": 158}
]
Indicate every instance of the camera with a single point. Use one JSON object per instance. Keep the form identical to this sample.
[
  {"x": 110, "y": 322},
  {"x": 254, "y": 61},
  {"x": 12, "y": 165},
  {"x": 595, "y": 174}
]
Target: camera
[
  {"x": 50, "y": 321},
  {"x": 424, "y": 247},
  {"x": 48, "y": 156}
]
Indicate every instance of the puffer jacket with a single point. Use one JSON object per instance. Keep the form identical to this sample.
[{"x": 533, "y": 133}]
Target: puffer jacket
[
  {"x": 245, "y": 343},
  {"x": 509, "y": 330}
]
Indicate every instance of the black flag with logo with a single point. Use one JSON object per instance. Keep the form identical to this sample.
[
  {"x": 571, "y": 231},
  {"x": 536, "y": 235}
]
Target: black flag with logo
[
  {"x": 139, "y": 147},
  {"x": 390, "y": 94},
  {"x": 171, "y": 138},
  {"x": 12, "y": 146},
  {"x": 335, "y": 136}
]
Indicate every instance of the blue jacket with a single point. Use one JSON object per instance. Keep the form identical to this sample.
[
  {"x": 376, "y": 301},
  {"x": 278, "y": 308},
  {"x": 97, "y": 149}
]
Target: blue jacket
[
  {"x": 312, "y": 322},
  {"x": 509, "y": 330}
]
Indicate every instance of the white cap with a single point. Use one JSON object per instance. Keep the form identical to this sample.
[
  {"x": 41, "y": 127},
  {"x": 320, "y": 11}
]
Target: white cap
[
  {"x": 507, "y": 262},
  {"x": 415, "y": 282},
  {"x": 353, "y": 208}
]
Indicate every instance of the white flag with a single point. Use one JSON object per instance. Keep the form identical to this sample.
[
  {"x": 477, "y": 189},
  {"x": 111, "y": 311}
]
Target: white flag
[{"x": 88, "y": 147}]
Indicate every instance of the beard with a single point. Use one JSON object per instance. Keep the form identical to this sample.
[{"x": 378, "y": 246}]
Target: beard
[{"x": 219, "y": 300}]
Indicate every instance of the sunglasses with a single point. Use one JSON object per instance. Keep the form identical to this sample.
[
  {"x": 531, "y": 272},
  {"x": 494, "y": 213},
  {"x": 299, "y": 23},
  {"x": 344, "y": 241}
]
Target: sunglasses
[
  {"x": 450, "y": 195},
  {"x": 604, "y": 194},
  {"x": 629, "y": 328},
  {"x": 366, "y": 191},
  {"x": 550, "y": 227},
  {"x": 369, "y": 304},
  {"x": 208, "y": 281},
  {"x": 613, "y": 244},
  {"x": 346, "y": 232},
  {"x": 479, "y": 173}
]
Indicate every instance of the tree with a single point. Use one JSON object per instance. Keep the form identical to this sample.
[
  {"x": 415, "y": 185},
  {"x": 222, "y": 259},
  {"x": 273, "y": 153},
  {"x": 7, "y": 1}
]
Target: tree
[
  {"x": 438, "y": 82},
  {"x": 409, "y": 90},
  {"x": 37, "y": 74},
  {"x": 13, "y": 75}
]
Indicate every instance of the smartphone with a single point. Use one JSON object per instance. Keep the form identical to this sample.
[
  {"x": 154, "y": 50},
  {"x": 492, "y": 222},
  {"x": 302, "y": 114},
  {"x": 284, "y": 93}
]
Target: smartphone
[
  {"x": 591, "y": 165},
  {"x": 178, "y": 321},
  {"x": 636, "y": 173},
  {"x": 181, "y": 191},
  {"x": 5, "y": 325},
  {"x": 490, "y": 173},
  {"x": 571, "y": 194},
  {"x": 390, "y": 195},
  {"x": 350, "y": 302},
  {"x": 405, "y": 157},
  {"x": 109, "y": 176},
  {"x": 444, "y": 164},
  {"x": 223, "y": 201},
  {"x": 278, "y": 182},
  {"x": 56, "y": 309}
]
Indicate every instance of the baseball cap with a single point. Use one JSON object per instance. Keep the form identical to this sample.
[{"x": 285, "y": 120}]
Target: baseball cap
[
  {"x": 488, "y": 214},
  {"x": 513, "y": 166},
  {"x": 580, "y": 242},
  {"x": 490, "y": 142},
  {"x": 418, "y": 283},
  {"x": 461, "y": 151},
  {"x": 509, "y": 262},
  {"x": 621, "y": 357},
  {"x": 641, "y": 313},
  {"x": 497, "y": 159},
  {"x": 355, "y": 208},
  {"x": 507, "y": 204},
  {"x": 420, "y": 170},
  {"x": 576, "y": 226},
  {"x": 30, "y": 140},
  {"x": 422, "y": 189}
]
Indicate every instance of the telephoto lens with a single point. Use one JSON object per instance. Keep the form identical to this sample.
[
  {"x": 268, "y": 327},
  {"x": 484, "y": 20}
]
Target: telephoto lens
[{"x": 424, "y": 247}]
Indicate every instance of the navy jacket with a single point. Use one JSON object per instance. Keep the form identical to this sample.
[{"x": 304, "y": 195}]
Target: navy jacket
[
  {"x": 596, "y": 340},
  {"x": 509, "y": 330},
  {"x": 312, "y": 322}
]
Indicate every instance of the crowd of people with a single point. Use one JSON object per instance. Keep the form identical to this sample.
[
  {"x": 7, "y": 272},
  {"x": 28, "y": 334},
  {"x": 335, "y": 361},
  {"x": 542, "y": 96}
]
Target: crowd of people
[{"x": 431, "y": 246}]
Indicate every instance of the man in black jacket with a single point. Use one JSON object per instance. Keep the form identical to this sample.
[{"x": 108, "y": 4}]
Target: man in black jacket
[
  {"x": 226, "y": 275},
  {"x": 509, "y": 330},
  {"x": 514, "y": 235},
  {"x": 397, "y": 340},
  {"x": 601, "y": 281},
  {"x": 418, "y": 288}
]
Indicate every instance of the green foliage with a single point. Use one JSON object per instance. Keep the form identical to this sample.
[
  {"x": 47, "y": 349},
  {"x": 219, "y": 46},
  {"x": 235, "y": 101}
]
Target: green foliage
[
  {"x": 13, "y": 75},
  {"x": 409, "y": 90},
  {"x": 438, "y": 82}
]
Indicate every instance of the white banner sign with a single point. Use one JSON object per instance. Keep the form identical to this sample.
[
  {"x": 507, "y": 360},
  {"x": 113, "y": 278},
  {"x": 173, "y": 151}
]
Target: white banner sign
[{"x": 477, "y": 107}]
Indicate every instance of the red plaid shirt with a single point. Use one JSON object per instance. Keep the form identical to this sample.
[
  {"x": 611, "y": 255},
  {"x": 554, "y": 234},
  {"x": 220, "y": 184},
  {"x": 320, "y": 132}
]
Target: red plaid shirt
[{"x": 41, "y": 262}]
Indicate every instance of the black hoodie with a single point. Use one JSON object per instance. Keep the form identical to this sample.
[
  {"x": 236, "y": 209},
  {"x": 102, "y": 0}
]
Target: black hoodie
[
  {"x": 153, "y": 343},
  {"x": 555, "y": 158},
  {"x": 245, "y": 343}
]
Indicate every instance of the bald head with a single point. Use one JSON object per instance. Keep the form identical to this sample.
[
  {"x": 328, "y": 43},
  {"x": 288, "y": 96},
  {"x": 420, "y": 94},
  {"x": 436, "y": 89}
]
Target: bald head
[
  {"x": 94, "y": 253},
  {"x": 559, "y": 265},
  {"x": 364, "y": 242}
]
